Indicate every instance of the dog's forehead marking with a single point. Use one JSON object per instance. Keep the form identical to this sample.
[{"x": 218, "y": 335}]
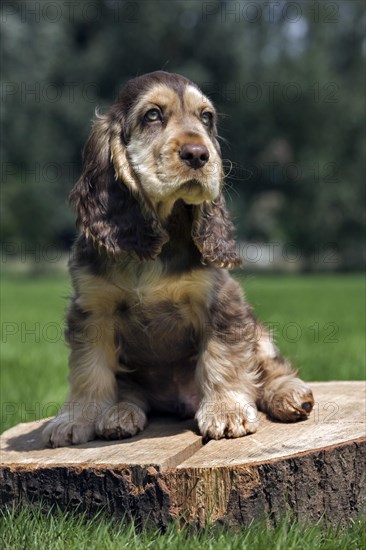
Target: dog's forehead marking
[
  {"x": 161, "y": 94},
  {"x": 194, "y": 98}
]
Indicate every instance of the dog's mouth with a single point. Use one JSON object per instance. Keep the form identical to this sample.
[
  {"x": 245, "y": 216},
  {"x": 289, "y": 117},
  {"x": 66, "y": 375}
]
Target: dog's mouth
[
  {"x": 190, "y": 186},
  {"x": 194, "y": 191}
]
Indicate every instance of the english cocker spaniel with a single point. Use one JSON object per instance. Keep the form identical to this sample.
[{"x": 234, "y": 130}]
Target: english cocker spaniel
[{"x": 156, "y": 322}]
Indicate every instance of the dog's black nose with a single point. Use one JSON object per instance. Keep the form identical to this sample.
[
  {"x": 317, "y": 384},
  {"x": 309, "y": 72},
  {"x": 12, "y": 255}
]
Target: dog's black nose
[{"x": 194, "y": 155}]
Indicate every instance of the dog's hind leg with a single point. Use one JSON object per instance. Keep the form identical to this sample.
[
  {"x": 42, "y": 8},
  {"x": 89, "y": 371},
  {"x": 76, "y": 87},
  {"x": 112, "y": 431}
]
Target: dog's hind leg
[{"x": 283, "y": 395}]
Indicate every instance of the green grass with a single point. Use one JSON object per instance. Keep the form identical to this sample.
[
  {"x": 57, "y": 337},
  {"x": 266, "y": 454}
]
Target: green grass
[
  {"x": 319, "y": 321},
  {"x": 30, "y": 529},
  {"x": 320, "y": 325},
  {"x": 34, "y": 356}
]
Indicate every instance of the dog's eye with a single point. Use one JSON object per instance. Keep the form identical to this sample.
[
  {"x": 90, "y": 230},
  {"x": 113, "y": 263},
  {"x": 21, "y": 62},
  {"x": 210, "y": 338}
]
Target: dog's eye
[
  {"x": 153, "y": 115},
  {"x": 206, "y": 118}
]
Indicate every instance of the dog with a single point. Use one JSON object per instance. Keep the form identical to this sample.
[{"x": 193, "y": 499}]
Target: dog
[{"x": 156, "y": 323}]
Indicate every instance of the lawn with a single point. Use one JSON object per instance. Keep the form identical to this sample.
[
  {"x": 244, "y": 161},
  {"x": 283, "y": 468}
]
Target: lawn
[
  {"x": 319, "y": 322},
  {"x": 33, "y": 530}
]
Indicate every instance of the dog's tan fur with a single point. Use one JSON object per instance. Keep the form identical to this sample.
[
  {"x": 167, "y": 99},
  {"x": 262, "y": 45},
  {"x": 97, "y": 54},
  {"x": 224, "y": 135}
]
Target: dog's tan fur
[{"x": 156, "y": 322}]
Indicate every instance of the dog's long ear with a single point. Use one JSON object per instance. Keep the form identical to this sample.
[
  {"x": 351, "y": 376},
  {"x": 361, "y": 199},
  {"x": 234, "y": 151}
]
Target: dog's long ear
[
  {"x": 212, "y": 233},
  {"x": 110, "y": 210}
]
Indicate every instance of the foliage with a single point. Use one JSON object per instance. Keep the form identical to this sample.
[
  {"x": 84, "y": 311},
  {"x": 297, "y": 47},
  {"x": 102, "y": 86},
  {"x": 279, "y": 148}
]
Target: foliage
[{"x": 288, "y": 77}]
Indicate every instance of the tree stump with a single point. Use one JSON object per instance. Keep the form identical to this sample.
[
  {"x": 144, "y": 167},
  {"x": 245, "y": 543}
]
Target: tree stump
[{"x": 309, "y": 469}]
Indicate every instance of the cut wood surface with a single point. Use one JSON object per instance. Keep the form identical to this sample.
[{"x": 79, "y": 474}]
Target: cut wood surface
[
  {"x": 309, "y": 468},
  {"x": 165, "y": 443},
  {"x": 339, "y": 415}
]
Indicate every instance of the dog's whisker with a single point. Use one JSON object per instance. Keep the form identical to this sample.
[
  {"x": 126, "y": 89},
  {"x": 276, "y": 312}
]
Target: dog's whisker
[
  {"x": 228, "y": 186},
  {"x": 231, "y": 167}
]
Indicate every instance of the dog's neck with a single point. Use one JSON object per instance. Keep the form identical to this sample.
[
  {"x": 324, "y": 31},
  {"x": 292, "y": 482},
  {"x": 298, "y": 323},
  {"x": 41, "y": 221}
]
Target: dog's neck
[
  {"x": 180, "y": 253},
  {"x": 164, "y": 210}
]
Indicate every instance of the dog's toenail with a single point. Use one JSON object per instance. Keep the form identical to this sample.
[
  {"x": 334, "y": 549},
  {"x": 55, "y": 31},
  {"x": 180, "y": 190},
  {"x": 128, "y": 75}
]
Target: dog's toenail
[{"x": 306, "y": 406}]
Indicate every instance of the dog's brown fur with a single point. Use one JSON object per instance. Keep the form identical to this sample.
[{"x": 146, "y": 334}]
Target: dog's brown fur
[{"x": 156, "y": 322}]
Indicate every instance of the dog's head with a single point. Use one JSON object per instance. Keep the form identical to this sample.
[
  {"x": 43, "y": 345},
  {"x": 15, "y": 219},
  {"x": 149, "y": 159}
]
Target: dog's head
[{"x": 157, "y": 145}]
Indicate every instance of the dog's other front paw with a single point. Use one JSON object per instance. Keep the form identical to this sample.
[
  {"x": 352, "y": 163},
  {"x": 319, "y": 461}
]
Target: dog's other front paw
[
  {"x": 289, "y": 399},
  {"x": 227, "y": 416},
  {"x": 61, "y": 432},
  {"x": 120, "y": 421}
]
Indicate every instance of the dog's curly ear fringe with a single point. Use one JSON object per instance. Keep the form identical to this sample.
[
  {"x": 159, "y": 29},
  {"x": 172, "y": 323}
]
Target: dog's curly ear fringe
[
  {"x": 212, "y": 233},
  {"x": 107, "y": 211}
]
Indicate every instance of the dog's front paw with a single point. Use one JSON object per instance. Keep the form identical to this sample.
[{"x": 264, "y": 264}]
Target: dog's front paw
[
  {"x": 223, "y": 417},
  {"x": 291, "y": 400},
  {"x": 61, "y": 431},
  {"x": 120, "y": 421}
]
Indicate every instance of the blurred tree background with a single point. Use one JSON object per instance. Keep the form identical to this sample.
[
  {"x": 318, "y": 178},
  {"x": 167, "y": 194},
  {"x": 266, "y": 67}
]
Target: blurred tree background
[{"x": 288, "y": 78}]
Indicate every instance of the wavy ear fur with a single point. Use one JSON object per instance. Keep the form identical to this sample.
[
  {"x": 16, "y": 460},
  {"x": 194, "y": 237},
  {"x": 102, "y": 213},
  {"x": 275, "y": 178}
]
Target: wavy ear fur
[
  {"x": 212, "y": 233},
  {"x": 109, "y": 213}
]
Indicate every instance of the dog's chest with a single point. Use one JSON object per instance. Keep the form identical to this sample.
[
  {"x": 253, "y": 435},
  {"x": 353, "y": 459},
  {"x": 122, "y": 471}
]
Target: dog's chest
[{"x": 160, "y": 319}]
